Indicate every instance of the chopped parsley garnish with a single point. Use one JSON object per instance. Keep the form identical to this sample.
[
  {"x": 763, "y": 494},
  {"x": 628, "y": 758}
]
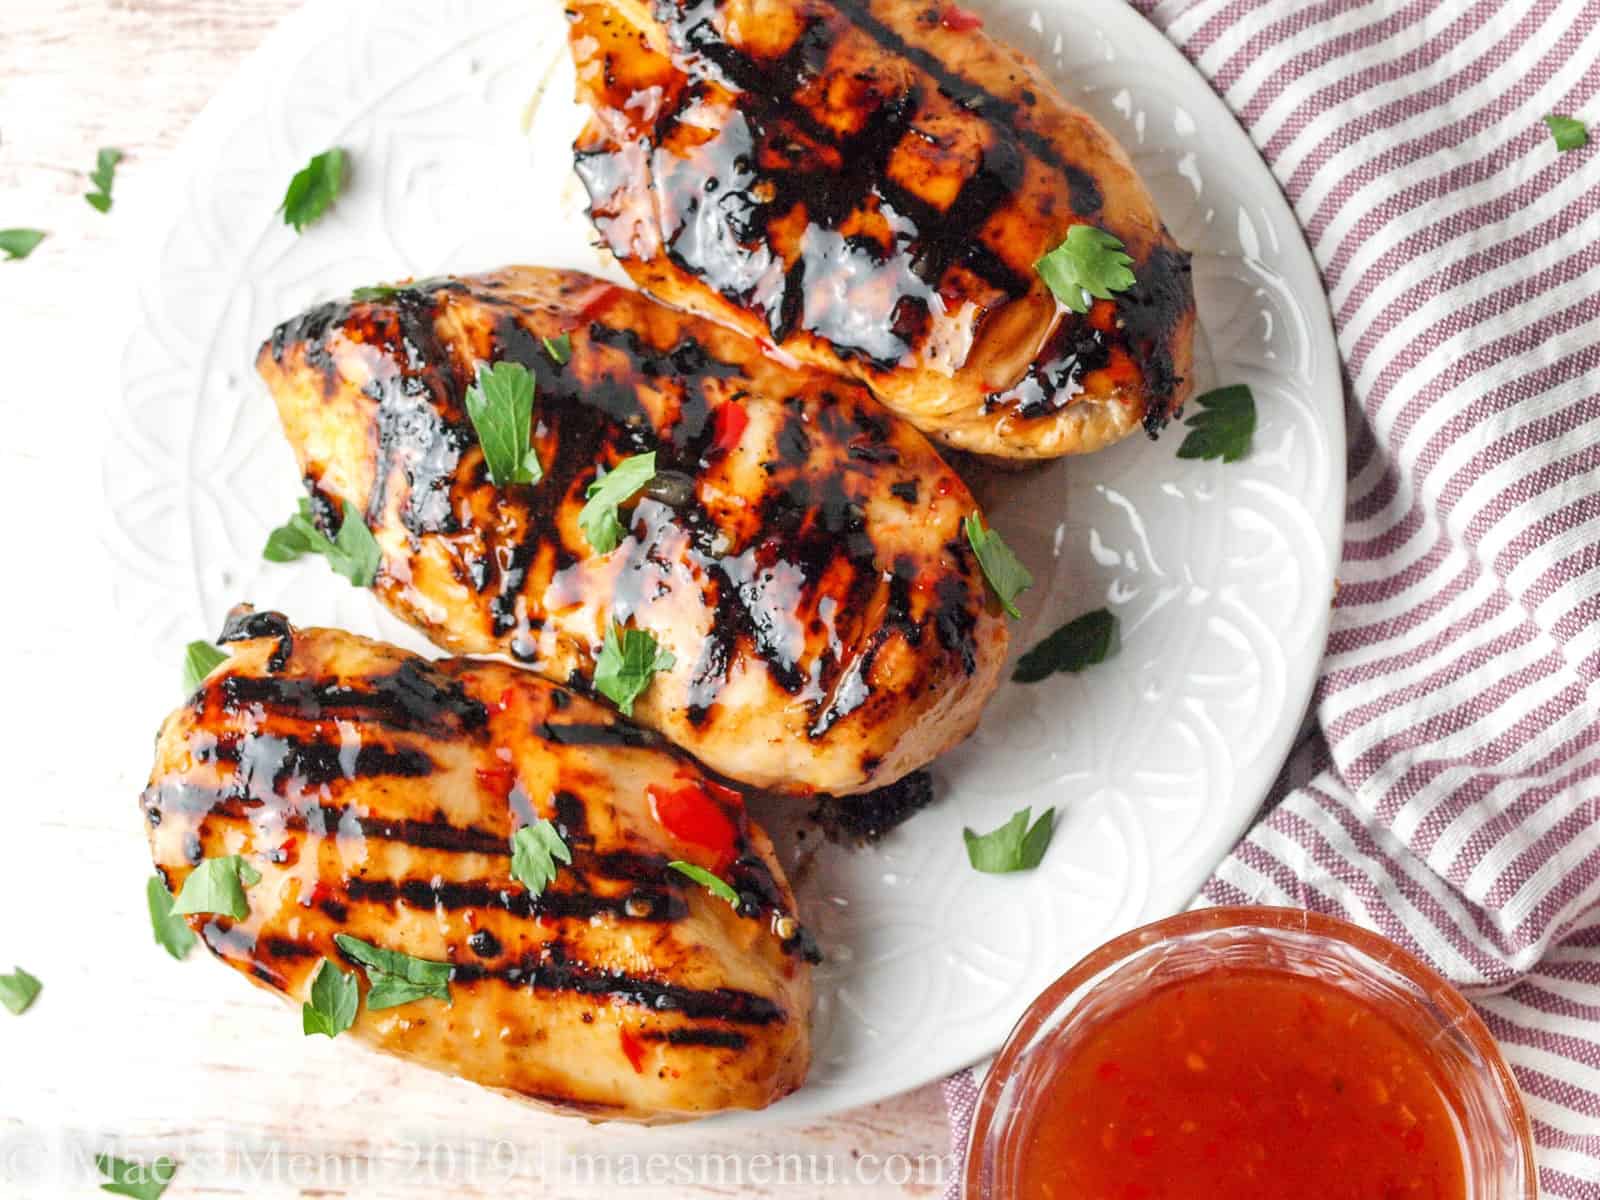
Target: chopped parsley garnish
[
  {"x": 105, "y": 171},
  {"x": 217, "y": 885},
  {"x": 1003, "y": 569},
  {"x": 1569, "y": 132},
  {"x": 628, "y": 661},
  {"x": 1089, "y": 262},
  {"x": 314, "y": 187},
  {"x": 1078, "y": 644},
  {"x": 335, "y": 996},
  {"x": 19, "y": 243},
  {"x": 500, "y": 405},
  {"x": 18, "y": 990},
  {"x": 388, "y": 291},
  {"x": 354, "y": 553},
  {"x": 559, "y": 348},
  {"x": 172, "y": 932},
  {"x": 199, "y": 659},
  {"x": 135, "y": 1179},
  {"x": 397, "y": 978},
  {"x": 535, "y": 850},
  {"x": 717, "y": 887},
  {"x": 598, "y": 520},
  {"x": 1015, "y": 846},
  {"x": 1224, "y": 425},
  {"x": 377, "y": 291}
]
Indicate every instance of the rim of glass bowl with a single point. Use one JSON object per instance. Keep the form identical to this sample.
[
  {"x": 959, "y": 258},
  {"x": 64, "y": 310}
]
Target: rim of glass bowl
[{"x": 1428, "y": 995}]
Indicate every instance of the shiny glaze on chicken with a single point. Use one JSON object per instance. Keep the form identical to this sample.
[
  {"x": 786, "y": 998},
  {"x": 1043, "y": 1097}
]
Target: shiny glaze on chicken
[
  {"x": 831, "y": 626},
  {"x": 377, "y": 794},
  {"x": 868, "y": 184}
]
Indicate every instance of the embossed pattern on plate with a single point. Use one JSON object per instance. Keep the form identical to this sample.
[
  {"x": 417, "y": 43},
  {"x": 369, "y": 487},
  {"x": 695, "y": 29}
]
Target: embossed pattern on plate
[{"x": 1221, "y": 576}]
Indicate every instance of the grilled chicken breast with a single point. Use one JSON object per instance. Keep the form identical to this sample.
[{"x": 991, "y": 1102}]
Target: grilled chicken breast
[
  {"x": 868, "y": 184},
  {"x": 377, "y": 794},
  {"x": 800, "y": 553}
]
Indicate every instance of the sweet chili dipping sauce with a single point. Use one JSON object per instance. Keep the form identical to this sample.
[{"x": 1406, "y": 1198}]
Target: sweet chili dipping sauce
[
  {"x": 1250, "y": 1054},
  {"x": 1245, "y": 1084}
]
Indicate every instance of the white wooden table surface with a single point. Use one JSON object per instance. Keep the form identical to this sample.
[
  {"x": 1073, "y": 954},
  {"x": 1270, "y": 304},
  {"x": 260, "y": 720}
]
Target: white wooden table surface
[{"x": 80, "y": 706}]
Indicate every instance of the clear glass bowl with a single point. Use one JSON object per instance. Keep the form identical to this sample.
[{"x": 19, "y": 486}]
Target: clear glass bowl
[{"x": 1496, "y": 1135}]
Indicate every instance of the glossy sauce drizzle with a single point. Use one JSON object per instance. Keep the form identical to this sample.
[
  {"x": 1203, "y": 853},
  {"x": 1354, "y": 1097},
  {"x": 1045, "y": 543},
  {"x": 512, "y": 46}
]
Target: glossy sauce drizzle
[{"x": 833, "y": 174}]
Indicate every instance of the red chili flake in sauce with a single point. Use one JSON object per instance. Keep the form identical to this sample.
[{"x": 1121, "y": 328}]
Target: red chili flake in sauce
[
  {"x": 497, "y": 781},
  {"x": 730, "y": 425},
  {"x": 959, "y": 20},
  {"x": 694, "y": 818},
  {"x": 633, "y": 1048}
]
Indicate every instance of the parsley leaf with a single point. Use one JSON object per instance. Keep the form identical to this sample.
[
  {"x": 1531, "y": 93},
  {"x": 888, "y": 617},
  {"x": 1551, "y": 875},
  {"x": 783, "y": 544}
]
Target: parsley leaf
[
  {"x": 625, "y": 667},
  {"x": 354, "y": 553},
  {"x": 388, "y": 291},
  {"x": 1224, "y": 425},
  {"x": 397, "y": 978},
  {"x": 500, "y": 405},
  {"x": 135, "y": 1179},
  {"x": 1003, "y": 569},
  {"x": 18, "y": 990},
  {"x": 172, "y": 932},
  {"x": 199, "y": 660},
  {"x": 217, "y": 886},
  {"x": 19, "y": 243},
  {"x": 1014, "y": 846},
  {"x": 1569, "y": 132},
  {"x": 1088, "y": 262},
  {"x": 298, "y": 535},
  {"x": 105, "y": 170},
  {"x": 717, "y": 887},
  {"x": 1078, "y": 644},
  {"x": 314, "y": 187},
  {"x": 559, "y": 348},
  {"x": 598, "y": 520},
  {"x": 534, "y": 851},
  {"x": 335, "y": 996}
]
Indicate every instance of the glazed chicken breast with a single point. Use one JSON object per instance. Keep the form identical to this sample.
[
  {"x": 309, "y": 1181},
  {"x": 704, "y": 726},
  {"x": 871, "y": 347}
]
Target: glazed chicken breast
[
  {"x": 799, "y": 554},
  {"x": 376, "y": 794},
  {"x": 868, "y": 184}
]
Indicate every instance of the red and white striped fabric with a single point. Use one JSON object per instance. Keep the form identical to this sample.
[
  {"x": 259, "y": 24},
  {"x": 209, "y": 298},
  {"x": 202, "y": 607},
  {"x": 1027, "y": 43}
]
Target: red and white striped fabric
[{"x": 1450, "y": 798}]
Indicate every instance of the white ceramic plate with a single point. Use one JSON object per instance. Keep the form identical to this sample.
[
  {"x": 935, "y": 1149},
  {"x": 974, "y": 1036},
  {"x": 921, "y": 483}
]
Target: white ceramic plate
[{"x": 1221, "y": 575}]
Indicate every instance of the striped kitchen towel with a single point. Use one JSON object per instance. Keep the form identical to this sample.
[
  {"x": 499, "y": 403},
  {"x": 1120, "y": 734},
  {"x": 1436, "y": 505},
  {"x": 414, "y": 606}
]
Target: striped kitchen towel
[{"x": 1450, "y": 797}]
